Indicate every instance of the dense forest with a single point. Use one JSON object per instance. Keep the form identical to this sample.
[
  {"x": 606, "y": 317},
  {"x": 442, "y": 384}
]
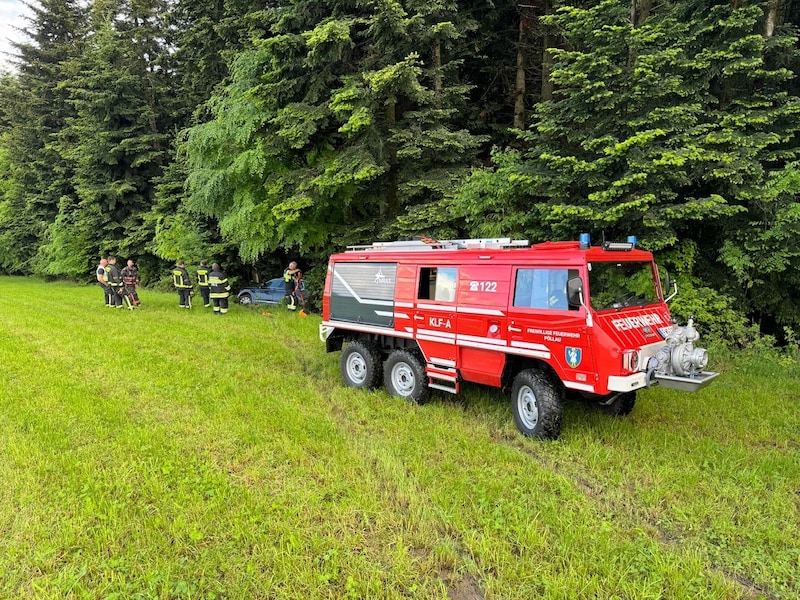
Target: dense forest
[{"x": 253, "y": 132}]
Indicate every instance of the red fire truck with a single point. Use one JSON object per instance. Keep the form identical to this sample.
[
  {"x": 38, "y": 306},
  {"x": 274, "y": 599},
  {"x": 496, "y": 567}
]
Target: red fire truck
[{"x": 544, "y": 320}]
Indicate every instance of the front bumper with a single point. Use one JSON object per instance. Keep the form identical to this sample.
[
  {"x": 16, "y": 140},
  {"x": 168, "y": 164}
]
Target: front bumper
[{"x": 691, "y": 383}]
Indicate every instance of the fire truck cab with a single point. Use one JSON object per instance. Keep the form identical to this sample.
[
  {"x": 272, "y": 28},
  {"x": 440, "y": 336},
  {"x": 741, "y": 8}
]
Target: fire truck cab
[{"x": 543, "y": 320}]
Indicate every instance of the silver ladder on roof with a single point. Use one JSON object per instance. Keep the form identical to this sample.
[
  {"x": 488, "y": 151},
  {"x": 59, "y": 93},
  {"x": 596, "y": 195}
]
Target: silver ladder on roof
[{"x": 424, "y": 245}]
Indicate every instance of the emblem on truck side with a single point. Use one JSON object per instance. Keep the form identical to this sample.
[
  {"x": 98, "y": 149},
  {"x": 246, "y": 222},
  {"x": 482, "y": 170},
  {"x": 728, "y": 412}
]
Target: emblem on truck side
[
  {"x": 573, "y": 356},
  {"x": 381, "y": 279}
]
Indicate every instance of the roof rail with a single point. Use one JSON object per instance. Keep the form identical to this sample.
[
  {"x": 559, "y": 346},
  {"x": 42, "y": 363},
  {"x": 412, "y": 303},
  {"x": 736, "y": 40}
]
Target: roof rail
[
  {"x": 489, "y": 243},
  {"x": 424, "y": 244}
]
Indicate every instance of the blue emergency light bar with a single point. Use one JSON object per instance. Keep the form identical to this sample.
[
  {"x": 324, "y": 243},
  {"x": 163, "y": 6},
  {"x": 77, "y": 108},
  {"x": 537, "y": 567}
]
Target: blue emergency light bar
[{"x": 584, "y": 242}]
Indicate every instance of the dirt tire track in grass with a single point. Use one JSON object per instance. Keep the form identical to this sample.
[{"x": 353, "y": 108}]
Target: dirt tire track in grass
[
  {"x": 459, "y": 585},
  {"x": 636, "y": 515}
]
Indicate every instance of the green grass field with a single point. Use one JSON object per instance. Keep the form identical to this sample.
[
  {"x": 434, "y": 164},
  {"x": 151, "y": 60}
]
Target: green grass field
[{"x": 173, "y": 454}]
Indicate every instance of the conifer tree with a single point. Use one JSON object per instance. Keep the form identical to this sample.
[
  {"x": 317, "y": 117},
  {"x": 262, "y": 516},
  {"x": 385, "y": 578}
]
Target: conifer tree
[
  {"x": 35, "y": 109},
  {"x": 675, "y": 123},
  {"x": 342, "y": 116},
  {"x": 114, "y": 142}
]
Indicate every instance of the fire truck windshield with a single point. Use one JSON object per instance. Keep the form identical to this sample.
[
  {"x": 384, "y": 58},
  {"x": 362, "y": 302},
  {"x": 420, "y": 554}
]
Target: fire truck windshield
[{"x": 617, "y": 285}]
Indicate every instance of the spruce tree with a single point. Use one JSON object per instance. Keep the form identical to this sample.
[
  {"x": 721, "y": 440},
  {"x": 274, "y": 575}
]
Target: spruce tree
[
  {"x": 335, "y": 122},
  {"x": 35, "y": 109},
  {"x": 114, "y": 143},
  {"x": 675, "y": 123}
]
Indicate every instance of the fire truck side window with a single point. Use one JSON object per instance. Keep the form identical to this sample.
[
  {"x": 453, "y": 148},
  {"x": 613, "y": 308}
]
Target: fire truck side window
[
  {"x": 437, "y": 284},
  {"x": 543, "y": 288}
]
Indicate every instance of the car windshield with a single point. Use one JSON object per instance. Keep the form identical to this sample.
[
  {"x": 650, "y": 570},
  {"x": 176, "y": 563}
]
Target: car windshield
[{"x": 616, "y": 285}]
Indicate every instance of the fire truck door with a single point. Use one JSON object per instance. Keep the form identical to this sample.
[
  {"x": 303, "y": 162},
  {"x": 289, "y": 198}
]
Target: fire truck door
[
  {"x": 543, "y": 325},
  {"x": 435, "y": 315},
  {"x": 483, "y": 293}
]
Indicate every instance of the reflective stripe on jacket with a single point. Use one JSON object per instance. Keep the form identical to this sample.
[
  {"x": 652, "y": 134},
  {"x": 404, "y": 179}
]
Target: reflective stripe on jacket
[
  {"x": 113, "y": 276},
  {"x": 130, "y": 276},
  {"x": 218, "y": 283},
  {"x": 180, "y": 278},
  {"x": 202, "y": 276}
]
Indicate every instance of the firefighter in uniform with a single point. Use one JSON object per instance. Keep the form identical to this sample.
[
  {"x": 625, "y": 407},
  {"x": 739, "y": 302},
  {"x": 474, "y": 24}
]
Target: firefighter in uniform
[
  {"x": 219, "y": 289},
  {"x": 182, "y": 283},
  {"x": 294, "y": 295},
  {"x": 202, "y": 283},
  {"x": 130, "y": 279},
  {"x": 103, "y": 281},
  {"x": 114, "y": 277}
]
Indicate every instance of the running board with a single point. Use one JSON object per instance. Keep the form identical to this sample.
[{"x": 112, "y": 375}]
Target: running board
[{"x": 444, "y": 388}]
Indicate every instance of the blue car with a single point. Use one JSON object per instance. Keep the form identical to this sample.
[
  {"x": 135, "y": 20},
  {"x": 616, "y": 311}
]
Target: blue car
[{"x": 269, "y": 292}]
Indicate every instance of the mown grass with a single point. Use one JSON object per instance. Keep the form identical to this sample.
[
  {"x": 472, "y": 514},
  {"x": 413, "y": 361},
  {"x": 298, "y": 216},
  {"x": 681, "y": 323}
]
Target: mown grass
[{"x": 173, "y": 454}]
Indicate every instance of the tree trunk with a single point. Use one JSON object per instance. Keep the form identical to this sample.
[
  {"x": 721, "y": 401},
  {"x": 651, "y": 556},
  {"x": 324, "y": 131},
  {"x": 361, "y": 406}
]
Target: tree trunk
[
  {"x": 437, "y": 69},
  {"x": 391, "y": 205},
  {"x": 519, "y": 91},
  {"x": 640, "y": 11},
  {"x": 547, "y": 69},
  {"x": 771, "y": 18}
]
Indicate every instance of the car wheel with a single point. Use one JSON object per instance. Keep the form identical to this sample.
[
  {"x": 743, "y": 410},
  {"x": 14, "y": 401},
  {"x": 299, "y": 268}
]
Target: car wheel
[
  {"x": 361, "y": 366},
  {"x": 404, "y": 377},
  {"x": 621, "y": 405},
  {"x": 245, "y": 299},
  {"x": 536, "y": 405}
]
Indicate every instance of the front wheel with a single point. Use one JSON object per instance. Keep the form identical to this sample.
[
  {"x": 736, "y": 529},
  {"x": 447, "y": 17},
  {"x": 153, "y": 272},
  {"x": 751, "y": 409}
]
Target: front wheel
[
  {"x": 536, "y": 405},
  {"x": 245, "y": 299},
  {"x": 404, "y": 377},
  {"x": 620, "y": 406},
  {"x": 361, "y": 366}
]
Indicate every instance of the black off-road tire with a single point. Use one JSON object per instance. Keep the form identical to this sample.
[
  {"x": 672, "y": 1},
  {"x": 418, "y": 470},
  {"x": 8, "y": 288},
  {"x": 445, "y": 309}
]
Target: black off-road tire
[
  {"x": 621, "y": 406},
  {"x": 404, "y": 377},
  {"x": 536, "y": 405},
  {"x": 361, "y": 366}
]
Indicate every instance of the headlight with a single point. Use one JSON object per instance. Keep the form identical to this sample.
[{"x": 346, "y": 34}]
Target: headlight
[{"x": 630, "y": 360}]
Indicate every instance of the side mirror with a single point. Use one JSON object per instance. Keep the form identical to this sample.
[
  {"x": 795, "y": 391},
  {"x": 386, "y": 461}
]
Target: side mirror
[
  {"x": 669, "y": 284},
  {"x": 575, "y": 291}
]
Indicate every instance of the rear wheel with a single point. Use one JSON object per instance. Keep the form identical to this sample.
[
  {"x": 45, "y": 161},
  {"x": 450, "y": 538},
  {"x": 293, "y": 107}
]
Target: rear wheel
[
  {"x": 404, "y": 377},
  {"x": 536, "y": 405},
  {"x": 245, "y": 299},
  {"x": 621, "y": 405},
  {"x": 361, "y": 366}
]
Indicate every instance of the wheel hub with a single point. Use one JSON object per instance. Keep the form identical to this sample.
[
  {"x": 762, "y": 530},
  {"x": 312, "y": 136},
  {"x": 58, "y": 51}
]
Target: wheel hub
[
  {"x": 403, "y": 379},
  {"x": 528, "y": 407},
  {"x": 357, "y": 368}
]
